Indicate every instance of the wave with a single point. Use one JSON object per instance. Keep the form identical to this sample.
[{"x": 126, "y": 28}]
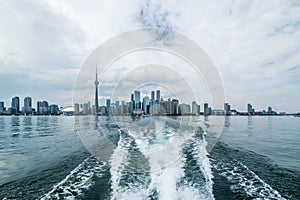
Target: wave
[
  {"x": 79, "y": 180},
  {"x": 244, "y": 182},
  {"x": 140, "y": 171}
]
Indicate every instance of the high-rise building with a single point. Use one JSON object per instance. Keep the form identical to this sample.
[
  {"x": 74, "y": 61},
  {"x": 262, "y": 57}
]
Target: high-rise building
[
  {"x": 183, "y": 109},
  {"x": 2, "y": 108},
  {"x": 96, "y": 82},
  {"x": 146, "y": 105},
  {"x": 270, "y": 110},
  {"x": 108, "y": 110},
  {"x": 195, "y": 108},
  {"x": 174, "y": 106},
  {"x": 250, "y": 108},
  {"x": 76, "y": 108},
  {"x": 54, "y": 110},
  {"x": 207, "y": 110},
  {"x": 132, "y": 97},
  {"x": 227, "y": 108},
  {"x": 152, "y": 96},
  {"x": 45, "y": 108},
  {"x": 15, "y": 104},
  {"x": 85, "y": 109},
  {"x": 137, "y": 99},
  {"x": 39, "y": 107},
  {"x": 158, "y": 96},
  {"x": 27, "y": 105}
]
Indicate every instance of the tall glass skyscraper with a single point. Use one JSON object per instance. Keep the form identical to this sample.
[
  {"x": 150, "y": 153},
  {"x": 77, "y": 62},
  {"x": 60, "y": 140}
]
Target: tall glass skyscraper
[
  {"x": 137, "y": 99},
  {"x": 152, "y": 96},
  {"x": 108, "y": 106},
  {"x": 157, "y": 95},
  {"x": 27, "y": 105},
  {"x": 15, "y": 104}
]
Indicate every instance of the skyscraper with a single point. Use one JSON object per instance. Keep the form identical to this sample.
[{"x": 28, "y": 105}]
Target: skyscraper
[
  {"x": 174, "y": 109},
  {"x": 137, "y": 99},
  {"x": 96, "y": 82},
  {"x": 27, "y": 105},
  {"x": 45, "y": 108},
  {"x": 54, "y": 110},
  {"x": 207, "y": 110},
  {"x": 76, "y": 108},
  {"x": 250, "y": 108},
  {"x": 2, "y": 108},
  {"x": 15, "y": 104},
  {"x": 39, "y": 107},
  {"x": 195, "y": 108},
  {"x": 158, "y": 96},
  {"x": 146, "y": 105},
  {"x": 152, "y": 96},
  {"x": 108, "y": 106},
  {"x": 227, "y": 108}
]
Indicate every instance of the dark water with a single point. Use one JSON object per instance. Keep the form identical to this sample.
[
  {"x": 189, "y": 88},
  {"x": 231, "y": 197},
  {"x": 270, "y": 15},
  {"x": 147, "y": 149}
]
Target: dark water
[{"x": 44, "y": 158}]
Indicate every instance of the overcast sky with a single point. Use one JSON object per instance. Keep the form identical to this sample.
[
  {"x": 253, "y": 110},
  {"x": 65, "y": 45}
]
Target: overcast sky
[{"x": 255, "y": 45}]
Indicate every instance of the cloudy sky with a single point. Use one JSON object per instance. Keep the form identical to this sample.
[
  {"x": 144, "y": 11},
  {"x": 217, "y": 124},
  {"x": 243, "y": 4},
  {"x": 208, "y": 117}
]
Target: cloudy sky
[{"x": 255, "y": 45}]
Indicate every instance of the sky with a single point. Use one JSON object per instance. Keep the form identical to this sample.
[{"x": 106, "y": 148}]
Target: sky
[{"x": 254, "y": 45}]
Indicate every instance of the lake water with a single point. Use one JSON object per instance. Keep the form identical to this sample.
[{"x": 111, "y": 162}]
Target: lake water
[{"x": 84, "y": 157}]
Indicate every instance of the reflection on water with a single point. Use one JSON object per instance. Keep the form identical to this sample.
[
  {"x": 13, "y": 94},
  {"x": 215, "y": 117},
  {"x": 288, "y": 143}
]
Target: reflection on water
[
  {"x": 273, "y": 136},
  {"x": 30, "y": 143},
  {"x": 227, "y": 121}
]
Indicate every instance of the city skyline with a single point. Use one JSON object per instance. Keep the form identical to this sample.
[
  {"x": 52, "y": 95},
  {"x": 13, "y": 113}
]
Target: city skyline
[
  {"x": 44, "y": 107},
  {"x": 258, "y": 60}
]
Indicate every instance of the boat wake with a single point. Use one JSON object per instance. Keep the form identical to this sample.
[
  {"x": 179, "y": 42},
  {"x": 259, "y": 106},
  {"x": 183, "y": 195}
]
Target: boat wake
[
  {"x": 244, "y": 182},
  {"x": 79, "y": 180}
]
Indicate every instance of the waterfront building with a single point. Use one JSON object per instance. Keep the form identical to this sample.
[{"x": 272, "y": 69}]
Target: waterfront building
[
  {"x": 45, "y": 108},
  {"x": 146, "y": 105},
  {"x": 15, "y": 105},
  {"x": 250, "y": 108},
  {"x": 102, "y": 110},
  {"x": 42, "y": 108},
  {"x": 76, "y": 108},
  {"x": 217, "y": 112},
  {"x": 207, "y": 109},
  {"x": 54, "y": 110},
  {"x": 85, "y": 109},
  {"x": 158, "y": 96},
  {"x": 113, "y": 109},
  {"x": 184, "y": 109},
  {"x": 39, "y": 107},
  {"x": 108, "y": 111},
  {"x": 154, "y": 108},
  {"x": 27, "y": 106},
  {"x": 137, "y": 99},
  {"x": 270, "y": 110},
  {"x": 227, "y": 108},
  {"x": 2, "y": 108},
  {"x": 90, "y": 108},
  {"x": 164, "y": 107},
  {"x": 174, "y": 106},
  {"x": 195, "y": 108},
  {"x": 152, "y": 96}
]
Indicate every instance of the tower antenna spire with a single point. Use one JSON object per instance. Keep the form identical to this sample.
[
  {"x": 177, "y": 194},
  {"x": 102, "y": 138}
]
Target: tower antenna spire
[{"x": 96, "y": 82}]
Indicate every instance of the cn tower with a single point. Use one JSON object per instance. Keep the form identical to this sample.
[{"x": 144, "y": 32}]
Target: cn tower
[{"x": 96, "y": 82}]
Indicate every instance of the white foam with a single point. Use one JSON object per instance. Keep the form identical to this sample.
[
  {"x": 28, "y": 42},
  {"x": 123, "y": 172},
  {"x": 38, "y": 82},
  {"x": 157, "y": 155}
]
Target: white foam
[
  {"x": 170, "y": 164},
  {"x": 242, "y": 178},
  {"x": 78, "y": 180},
  {"x": 118, "y": 162}
]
